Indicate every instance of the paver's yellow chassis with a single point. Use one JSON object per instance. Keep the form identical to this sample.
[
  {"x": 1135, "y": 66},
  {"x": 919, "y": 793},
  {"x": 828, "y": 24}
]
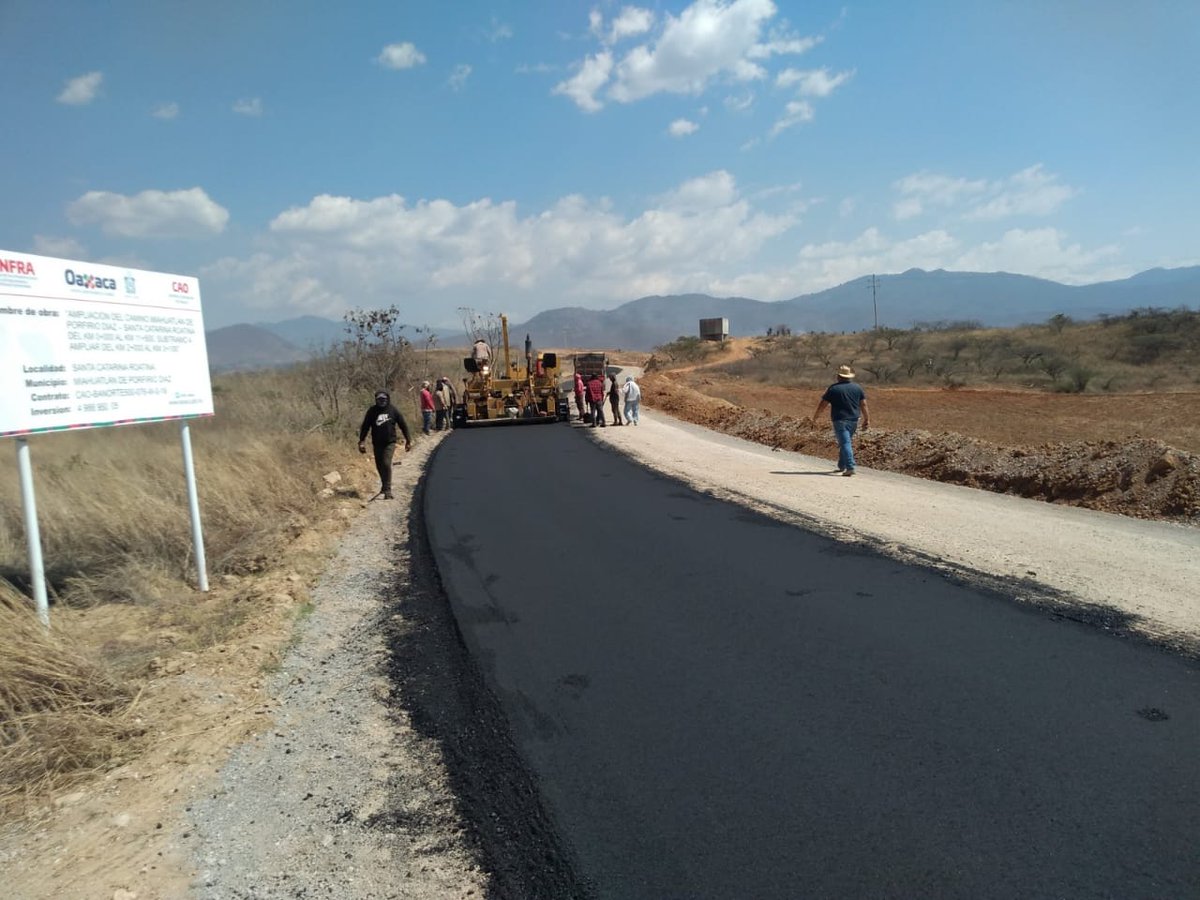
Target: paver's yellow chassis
[{"x": 513, "y": 395}]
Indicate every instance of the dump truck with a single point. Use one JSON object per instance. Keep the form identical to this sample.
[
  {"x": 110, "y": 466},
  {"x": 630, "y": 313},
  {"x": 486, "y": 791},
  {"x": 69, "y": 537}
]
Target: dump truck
[
  {"x": 589, "y": 364},
  {"x": 505, "y": 392}
]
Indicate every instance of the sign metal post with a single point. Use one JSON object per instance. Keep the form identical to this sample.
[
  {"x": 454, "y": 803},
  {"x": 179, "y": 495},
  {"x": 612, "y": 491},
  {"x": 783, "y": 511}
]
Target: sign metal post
[{"x": 33, "y": 536}]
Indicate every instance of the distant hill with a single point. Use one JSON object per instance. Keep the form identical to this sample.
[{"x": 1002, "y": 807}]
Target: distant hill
[
  {"x": 249, "y": 347},
  {"x": 995, "y": 299},
  {"x": 307, "y": 331}
]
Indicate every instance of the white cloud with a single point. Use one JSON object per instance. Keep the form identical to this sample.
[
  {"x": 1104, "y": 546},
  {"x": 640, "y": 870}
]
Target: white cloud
[
  {"x": 165, "y": 111},
  {"x": 400, "y": 56},
  {"x": 630, "y": 22},
  {"x": 82, "y": 90},
  {"x": 778, "y": 190},
  {"x": 432, "y": 256},
  {"x": 783, "y": 46},
  {"x": 535, "y": 69},
  {"x": 682, "y": 128},
  {"x": 796, "y": 112},
  {"x": 151, "y": 214},
  {"x": 500, "y": 31},
  {"x": 61, "y": 247},
  {"x": 739, "y": 102},
  {"x": 711, "y": 191},
  {"x": 1043, "y": 252},
  {"x": 707, "y": 39},
  {"x": 813, "y": 82},
  {"x": 1032, "y": 191},
  {"x": 582, "y": 87},
  {"x": 249, "y": 106},
  {"x": 339, "y": 251},
  {"x": 925, "y": 189},
  {"x": 458, "y": 78}
]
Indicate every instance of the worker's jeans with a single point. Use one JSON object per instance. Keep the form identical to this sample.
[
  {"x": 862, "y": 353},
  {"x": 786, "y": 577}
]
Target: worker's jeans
[
  {"x": 631, "y": 410},
  {"x": 843, "y": 430},
  {"x": 383, "y": 465}
]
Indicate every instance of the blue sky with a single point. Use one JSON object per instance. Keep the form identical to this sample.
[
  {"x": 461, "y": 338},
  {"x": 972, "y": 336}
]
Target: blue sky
[{"x": 305, "y": 158}]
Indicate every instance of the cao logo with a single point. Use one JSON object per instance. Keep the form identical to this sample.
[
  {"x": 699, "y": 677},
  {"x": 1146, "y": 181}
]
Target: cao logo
[{"x": 180, "y": 287}]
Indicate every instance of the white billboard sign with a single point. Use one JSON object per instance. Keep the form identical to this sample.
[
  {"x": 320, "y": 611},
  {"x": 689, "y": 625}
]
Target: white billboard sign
[{"x": 84, "y": 345}]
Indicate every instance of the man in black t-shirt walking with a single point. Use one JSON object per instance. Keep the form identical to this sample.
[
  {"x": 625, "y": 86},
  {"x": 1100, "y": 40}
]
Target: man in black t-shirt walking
[
  {"x": 381, "y": 420},
  {"x": 845, "y": 400}
]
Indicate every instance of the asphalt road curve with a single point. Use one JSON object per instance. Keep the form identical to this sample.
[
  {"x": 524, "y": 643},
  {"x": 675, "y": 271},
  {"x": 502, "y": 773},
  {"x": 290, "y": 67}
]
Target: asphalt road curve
[{"x": 719, "y": 705}]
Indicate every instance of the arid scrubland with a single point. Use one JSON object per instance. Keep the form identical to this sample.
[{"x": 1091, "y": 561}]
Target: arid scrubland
[{"x": 1144, "y": 350}]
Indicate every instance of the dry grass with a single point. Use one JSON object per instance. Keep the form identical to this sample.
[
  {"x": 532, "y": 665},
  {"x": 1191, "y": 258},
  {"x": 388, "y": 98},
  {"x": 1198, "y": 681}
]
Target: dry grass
[
  {"x": 62, "y": 713},
  {"x": 112, "y": 503},
  {"x": 113, "y": 514}
]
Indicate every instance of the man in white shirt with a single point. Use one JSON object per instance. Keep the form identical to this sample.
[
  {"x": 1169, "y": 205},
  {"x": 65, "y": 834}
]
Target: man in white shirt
[{"x": 633, "y": 399}]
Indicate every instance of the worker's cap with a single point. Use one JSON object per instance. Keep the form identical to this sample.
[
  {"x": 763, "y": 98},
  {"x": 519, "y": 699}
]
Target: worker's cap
[
  {"x": 382, "y": 395},
  {"x": 845, "y": 372},
  {"x": 424, "y": 384}
]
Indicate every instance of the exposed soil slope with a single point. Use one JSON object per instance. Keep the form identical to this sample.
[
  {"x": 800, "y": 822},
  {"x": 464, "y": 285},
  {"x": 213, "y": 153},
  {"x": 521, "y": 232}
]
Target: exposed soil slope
[{"x": 1139, "y": 477}]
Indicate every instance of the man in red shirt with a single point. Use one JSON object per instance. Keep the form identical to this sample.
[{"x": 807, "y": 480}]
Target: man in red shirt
[
  {"x": 426, "y": 407},
  {"x": 596, "y": 395}
]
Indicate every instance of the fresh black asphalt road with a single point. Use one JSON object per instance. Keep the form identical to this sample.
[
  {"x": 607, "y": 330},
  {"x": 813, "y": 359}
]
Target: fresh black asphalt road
[{"x": 716, "y": 704}]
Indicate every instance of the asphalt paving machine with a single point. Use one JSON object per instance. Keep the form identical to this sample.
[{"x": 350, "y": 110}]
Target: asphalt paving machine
[{"x": 512, "y": 394}]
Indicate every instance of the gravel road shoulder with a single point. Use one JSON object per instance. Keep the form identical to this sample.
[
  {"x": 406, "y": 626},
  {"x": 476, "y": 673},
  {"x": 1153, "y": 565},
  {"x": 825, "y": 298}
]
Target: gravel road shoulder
[{"x": 388, "y": 772}]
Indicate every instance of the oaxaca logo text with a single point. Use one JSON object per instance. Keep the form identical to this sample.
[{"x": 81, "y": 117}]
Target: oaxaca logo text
[{"x": 89, "y": 282}]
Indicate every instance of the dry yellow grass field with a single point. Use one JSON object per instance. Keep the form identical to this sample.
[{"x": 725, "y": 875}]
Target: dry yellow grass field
[{"x": 120, "y": 568}]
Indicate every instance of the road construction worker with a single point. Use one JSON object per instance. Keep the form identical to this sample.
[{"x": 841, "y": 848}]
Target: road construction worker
[
  {"x": 595, "y": 395},
  {"x": 382, "y": 420}
]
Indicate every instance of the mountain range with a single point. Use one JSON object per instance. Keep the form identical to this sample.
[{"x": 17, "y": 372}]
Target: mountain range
[{"x": 995, "y": 299}]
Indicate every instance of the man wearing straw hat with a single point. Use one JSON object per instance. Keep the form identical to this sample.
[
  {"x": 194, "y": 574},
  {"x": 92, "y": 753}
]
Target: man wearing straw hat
[{"x": 845, "y": 400}]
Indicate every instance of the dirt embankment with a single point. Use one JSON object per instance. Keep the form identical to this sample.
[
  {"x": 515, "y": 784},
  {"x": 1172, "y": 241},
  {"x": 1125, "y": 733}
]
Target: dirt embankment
[{"x": 1139, "y": 477}]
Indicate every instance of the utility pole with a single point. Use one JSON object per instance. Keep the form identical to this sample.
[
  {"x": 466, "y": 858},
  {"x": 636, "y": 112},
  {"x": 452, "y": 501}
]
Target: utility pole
[{"x": 874, "y": 303}]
